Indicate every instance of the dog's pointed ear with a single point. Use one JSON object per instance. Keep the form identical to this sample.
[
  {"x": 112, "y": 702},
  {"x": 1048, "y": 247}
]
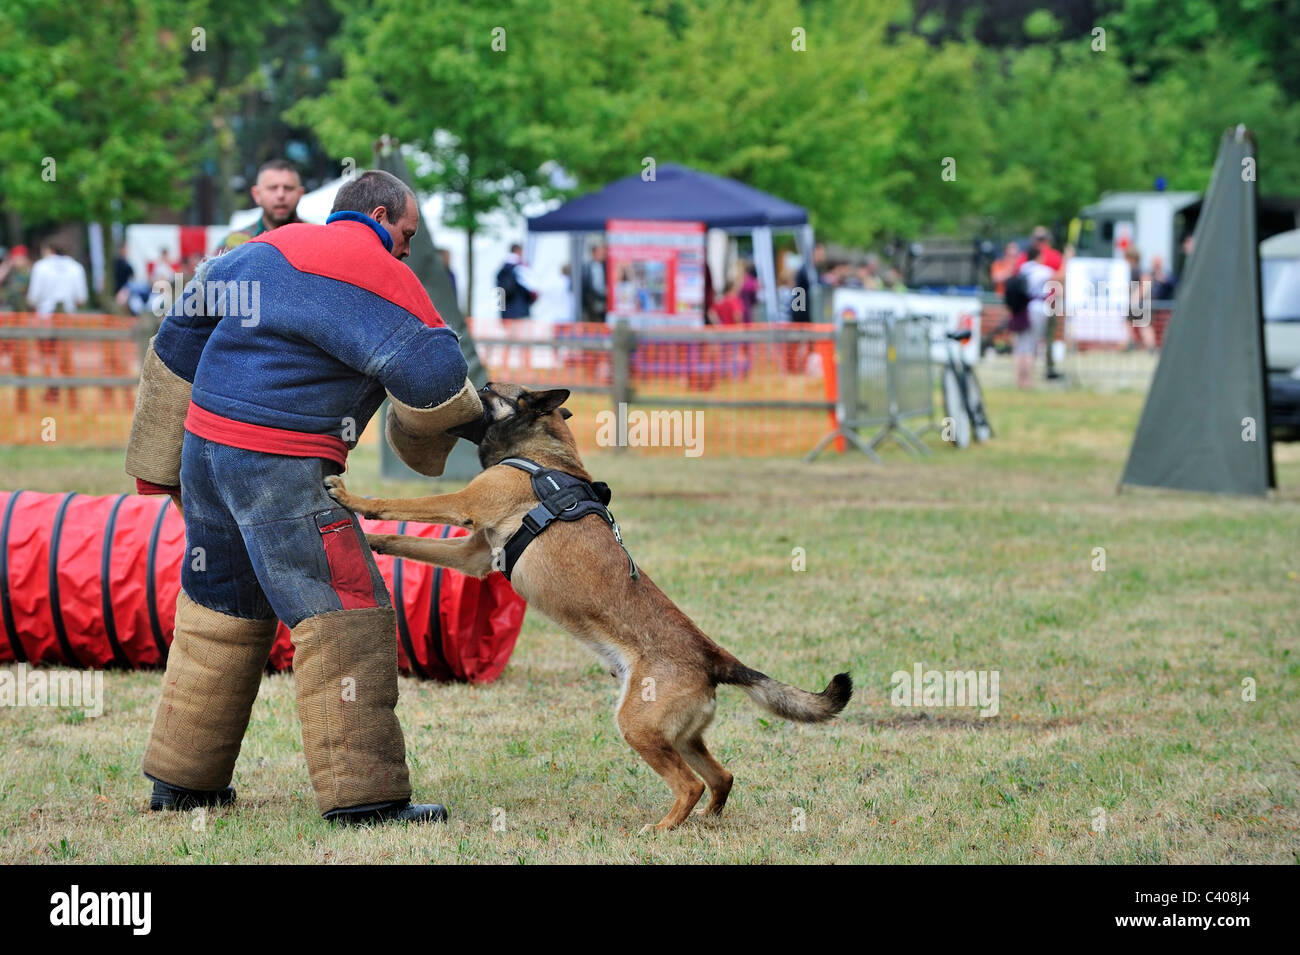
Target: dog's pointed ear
[
  {"x": 566, "y": 414},
  {"x": 544, "y": 402}
]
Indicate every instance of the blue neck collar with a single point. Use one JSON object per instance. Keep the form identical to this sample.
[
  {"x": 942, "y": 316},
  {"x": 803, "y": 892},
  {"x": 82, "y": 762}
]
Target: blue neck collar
[{"x": 364, "y": 219}]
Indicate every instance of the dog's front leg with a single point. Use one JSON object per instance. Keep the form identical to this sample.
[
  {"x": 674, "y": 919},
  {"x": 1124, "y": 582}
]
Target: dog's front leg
[
  {"x": 470, "y": 555},
  {"x": 439, "y": 509}
]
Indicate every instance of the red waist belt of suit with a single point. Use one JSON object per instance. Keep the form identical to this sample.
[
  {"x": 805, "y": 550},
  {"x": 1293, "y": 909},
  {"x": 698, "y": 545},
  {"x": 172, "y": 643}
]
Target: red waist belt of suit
[{"x": 254, "y": 437}]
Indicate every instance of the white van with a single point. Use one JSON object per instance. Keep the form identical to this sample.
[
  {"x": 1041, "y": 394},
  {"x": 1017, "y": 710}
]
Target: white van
[{"x": 1279, "y": 280}]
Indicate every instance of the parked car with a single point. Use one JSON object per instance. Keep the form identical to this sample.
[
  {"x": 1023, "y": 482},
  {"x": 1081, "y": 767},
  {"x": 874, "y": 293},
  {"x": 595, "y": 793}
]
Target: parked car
[{"x": 1279, "y": 279}]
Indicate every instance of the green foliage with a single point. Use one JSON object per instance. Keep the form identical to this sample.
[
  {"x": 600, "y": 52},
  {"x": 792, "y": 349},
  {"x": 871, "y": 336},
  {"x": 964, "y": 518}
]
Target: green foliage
[
  {"x": 456, "y": 82},
  {"x": 848, "y": 107},
  {"x": 102, "y": 94},
  {"x": 827, "y": 104},
  {"x": 258, "y": 60}
]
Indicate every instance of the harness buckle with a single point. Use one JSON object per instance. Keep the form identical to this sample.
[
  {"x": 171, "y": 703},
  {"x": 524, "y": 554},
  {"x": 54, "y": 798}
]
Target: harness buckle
[{"x": 537, "y": 519}]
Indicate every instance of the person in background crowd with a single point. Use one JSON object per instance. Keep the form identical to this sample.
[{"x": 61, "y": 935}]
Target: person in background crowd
[
  {"x": 1139, "y": 311},
  {"x": 1163, "y": 281},
  {"x": 563, "y": 310},
  {"x": 58, "y": 284},
  {"x": 516, "y": 284},
  {"x": 554, "y": 302},
  {"x": 794, "y": 354},
  {"x": 189, "y": 266},
  {"x": 785, "y": 294},
  {"x": 1041, "y": 238},
  {"x": 445, "y": 255},
  {"x": 1005, "y": 267},
  {"x": 730, "y": 309},
  {"x": 869, "y": 273},
  {"x": 125, "y": 301},
  {"x": 162, "y": 268},
  {"x": 749, "y": 289},
  {"x": 803, "y": 282},
  {"x": 1048, "y": 256},
  {"x": 710, "y": 317},
  {"x": 593, "y": 285},
  {"x": 276, "y": 192},
  {"x": 122, "y": 270},
  {"x": 133, "y": 297},
  {"x": 1029, "y": 331},
  {"x": 894, "y": 281},
  {"x": 15, "y": 275}
]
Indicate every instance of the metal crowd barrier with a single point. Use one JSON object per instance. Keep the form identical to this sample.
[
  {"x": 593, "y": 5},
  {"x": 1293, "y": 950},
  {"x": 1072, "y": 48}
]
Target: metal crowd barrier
[{"x": 885, "y": 379}]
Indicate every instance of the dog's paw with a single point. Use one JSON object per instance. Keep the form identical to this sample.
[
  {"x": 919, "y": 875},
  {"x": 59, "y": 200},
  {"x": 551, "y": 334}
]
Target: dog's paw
[{"x": 334, "y": 487}]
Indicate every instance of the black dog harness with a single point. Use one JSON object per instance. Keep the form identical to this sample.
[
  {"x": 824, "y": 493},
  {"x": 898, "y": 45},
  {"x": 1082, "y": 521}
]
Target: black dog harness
[{"x": 561, "y": 497}]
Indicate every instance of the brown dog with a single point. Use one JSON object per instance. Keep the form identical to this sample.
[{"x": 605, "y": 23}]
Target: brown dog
[{"x": 577, "y": 574}]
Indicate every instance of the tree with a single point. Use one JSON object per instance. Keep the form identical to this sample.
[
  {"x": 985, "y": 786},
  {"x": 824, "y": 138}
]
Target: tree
[
  {"x": 452, "y": 82},
  {"x": 257, "y": 60},
  {"x": 98, "y": 118},
  {"x": 1065, "y": 125}
]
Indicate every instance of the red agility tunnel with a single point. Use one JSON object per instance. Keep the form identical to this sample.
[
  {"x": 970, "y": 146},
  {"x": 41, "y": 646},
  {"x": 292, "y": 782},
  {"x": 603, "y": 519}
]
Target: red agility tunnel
[{"x": 92, "y": 582}]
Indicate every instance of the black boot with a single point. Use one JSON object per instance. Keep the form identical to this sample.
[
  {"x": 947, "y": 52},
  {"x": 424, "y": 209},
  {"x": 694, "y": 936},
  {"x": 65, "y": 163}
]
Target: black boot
[
  {"x": 167, "y": 796},
  {"x": 401, "y": 811}
]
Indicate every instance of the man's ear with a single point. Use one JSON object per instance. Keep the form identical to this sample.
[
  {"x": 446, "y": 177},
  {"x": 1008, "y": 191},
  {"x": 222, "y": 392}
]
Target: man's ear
[{"x": 544, "y": 402}]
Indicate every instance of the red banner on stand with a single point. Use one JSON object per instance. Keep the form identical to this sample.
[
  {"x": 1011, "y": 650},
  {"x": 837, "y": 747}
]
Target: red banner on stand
[{"x": 655, "y": 271}]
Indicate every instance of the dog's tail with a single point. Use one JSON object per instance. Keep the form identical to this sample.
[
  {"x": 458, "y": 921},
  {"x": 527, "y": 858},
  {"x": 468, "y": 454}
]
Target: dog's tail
[{"x": 788, "y": 702}]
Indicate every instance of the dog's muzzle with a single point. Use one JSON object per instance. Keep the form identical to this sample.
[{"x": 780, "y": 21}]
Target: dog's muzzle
[{"x": 473, "y": 431}]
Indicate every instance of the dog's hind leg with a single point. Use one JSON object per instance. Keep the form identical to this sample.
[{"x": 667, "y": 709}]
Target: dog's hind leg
[
  {"x": 648, "y": 739},
  {"x": 714, "y": 773}
]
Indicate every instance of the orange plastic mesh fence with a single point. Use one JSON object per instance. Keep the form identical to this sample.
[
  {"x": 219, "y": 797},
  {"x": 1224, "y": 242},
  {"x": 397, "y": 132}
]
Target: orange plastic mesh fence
[
  {"x": 67, "y": 378},
  {"x": 692, "y": 392}
]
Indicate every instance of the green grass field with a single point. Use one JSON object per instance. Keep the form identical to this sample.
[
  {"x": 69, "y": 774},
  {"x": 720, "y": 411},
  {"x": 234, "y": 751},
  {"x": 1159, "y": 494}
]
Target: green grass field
[{"x": 1120, "y": 690}]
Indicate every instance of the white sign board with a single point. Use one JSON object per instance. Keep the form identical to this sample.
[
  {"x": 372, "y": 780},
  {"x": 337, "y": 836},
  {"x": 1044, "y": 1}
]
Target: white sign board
[
  {"x": 947, "y": 313},
  {"x": 1097, "y": 300}
]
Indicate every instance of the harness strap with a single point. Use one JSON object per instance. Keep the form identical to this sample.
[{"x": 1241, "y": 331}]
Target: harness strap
[{"x": 566, "y": 499}]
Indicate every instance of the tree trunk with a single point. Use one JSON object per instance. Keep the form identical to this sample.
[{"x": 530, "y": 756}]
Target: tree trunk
[
  {"x": 469, "y": 274},
  {"x": 14, "y": 227}
]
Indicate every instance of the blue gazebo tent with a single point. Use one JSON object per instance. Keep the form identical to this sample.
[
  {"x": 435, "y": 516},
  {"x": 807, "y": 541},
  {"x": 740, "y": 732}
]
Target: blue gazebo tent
[{"x": 681, "y": 194}]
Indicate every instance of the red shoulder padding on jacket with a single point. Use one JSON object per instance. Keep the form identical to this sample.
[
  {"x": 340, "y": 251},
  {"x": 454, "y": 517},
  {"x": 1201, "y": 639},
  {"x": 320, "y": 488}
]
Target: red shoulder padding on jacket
[{"x": 350, "y": 252}]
